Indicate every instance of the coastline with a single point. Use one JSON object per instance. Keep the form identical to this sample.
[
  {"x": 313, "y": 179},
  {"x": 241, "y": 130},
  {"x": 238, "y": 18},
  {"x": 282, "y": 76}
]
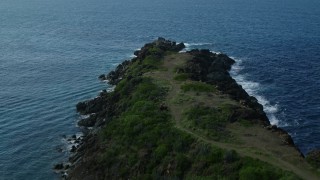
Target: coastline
[{"x": 101, "y": 109}]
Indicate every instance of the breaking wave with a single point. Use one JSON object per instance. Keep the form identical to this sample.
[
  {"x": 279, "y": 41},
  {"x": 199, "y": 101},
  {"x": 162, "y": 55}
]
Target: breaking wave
[{"x": 253, "y": 89}]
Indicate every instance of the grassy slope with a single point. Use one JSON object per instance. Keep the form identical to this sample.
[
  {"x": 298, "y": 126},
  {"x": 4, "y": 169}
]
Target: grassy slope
[
  {"x": 167, "y": 126},
  {"x": 246, "y": 138}
]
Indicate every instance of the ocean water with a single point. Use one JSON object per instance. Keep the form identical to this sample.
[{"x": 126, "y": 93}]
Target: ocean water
[{"x": 51, "y": 53}]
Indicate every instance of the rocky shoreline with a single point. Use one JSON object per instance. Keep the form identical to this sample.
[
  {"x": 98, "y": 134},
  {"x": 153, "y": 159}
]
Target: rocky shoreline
[{"x": 205, "y": 67}]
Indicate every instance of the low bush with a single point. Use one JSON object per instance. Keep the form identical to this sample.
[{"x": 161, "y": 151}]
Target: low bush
[
  {"x": 197, "y": 87},
  {"x": 209, "y": 120},
  {"x": 181, "y": 77}
]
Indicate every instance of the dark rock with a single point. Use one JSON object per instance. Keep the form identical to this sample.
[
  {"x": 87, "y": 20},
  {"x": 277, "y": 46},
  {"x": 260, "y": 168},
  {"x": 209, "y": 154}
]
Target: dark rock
[
  {"x": 115, "y": 76},
  {"x": 88, "y": 122},
  {"x": 100, "y": 122},
  {"x": 64, "y": 175},
  {"x": 180, "y": 46},
  {"x": 161, "y": 45},
  {"x": 81, "y": 107},
  {"x": 59, "y": 166},
  {"x": 271, "y": 127},
  {"x": 102, "y": 77},
  {"x": 155, "y": 49},
  {"x": 313, "y": 157},
  {"x": 213, "y": 69},
  {"x": 91, "y": 106},
  {"x": 244, "y": 113},
  {"x": 75, "y": 157},
  {"x": 285, "y": 137},
  {"x": 73, "y": 149}
]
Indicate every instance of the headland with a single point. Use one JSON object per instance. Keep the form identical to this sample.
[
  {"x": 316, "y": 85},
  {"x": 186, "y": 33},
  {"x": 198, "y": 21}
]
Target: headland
[{"x": 181, "y": 115}]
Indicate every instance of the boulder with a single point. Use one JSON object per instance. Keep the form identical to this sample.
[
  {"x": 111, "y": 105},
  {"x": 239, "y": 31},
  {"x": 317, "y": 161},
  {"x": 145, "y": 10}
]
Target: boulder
[
  {"x": 115, "y": 76},
  {"x": 73, "y": 149},
  {"x": 88, "y": 122},
  {"x": 58, "y": 166},
  {"x": 102, "y": 77},
  {"x": 158, "y": 48},
  {"x": 91, "y": 106}
]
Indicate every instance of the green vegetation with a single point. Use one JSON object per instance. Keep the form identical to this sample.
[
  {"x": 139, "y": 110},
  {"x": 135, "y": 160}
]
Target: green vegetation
[
  {"x": 137, "y": 68},
  {"x": 142, "y": 142},
  {"x": 255, "y": 169},
  {"x": 197, "y": 87},
  {"x": 245, "y": 123},
  {"x": 141, "y": 139},
  {"x": 181, "y": 77},
  {"x": 155, "y": 51},
  {"x": 208, "y": 121},
  {"x": 152, "y": 61}
]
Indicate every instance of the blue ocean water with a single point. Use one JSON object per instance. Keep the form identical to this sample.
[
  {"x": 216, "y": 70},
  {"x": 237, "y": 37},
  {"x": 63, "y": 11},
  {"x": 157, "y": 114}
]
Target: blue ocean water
[{"x": 51, "y": 53}]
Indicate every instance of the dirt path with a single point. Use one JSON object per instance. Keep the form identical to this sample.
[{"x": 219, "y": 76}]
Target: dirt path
[{"x": 255, "y": 142}]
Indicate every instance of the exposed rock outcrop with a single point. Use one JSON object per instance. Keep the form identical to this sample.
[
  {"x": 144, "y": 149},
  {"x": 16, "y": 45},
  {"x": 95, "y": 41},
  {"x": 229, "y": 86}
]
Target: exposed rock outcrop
[
  {"x": 155, "y": 49},
  {"x": 213, "y": 69}
]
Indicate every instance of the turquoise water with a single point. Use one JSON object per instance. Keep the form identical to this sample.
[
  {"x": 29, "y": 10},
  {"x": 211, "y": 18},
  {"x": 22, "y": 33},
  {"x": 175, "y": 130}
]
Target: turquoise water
[{"x": 51, "y": 53}]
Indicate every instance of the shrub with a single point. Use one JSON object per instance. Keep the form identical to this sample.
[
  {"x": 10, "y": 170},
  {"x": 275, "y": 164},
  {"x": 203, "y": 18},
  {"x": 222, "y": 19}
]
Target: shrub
[
  {"x": 181, "y": 77},
  {"x": 197, "y": 87},
  {"x": 160, "y": 151}
]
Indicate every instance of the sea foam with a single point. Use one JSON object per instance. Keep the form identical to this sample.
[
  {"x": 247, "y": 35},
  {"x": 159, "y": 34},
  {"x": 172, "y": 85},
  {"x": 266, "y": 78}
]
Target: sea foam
[
  {"x": 253, "y": 89},
  {"x": 190, "y": 46}
]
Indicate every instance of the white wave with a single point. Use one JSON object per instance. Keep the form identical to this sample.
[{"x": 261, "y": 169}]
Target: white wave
[
  {"x": 79, "y": 134},
  {"x": 196, "y": 44},
  {"x": 216, "y": 52},
  {"x": 132, "y": 56},
  {"x": 253, "y": 88},
  {"x": 273, "y": 120},
  {"x": 69, "y": 142},
  {"x": 237, "y": 67},
  {"x": 250, "y": 86},
  {"x": 84, "y": 116},
  {"x": 189, "y": 46},
  {"x": 111, "y": 89}
]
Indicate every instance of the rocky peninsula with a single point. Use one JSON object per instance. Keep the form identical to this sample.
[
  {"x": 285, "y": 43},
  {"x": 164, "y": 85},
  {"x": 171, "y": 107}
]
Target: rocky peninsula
[{"x": 180, "y": 115}]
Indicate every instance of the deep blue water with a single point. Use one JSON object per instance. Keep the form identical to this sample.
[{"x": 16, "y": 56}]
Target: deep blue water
[{"x": 51, "y": 53}]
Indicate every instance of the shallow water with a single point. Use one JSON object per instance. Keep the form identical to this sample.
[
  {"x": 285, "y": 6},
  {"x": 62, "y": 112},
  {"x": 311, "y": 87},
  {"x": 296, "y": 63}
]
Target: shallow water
[{"x": 51, "y": 53}]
